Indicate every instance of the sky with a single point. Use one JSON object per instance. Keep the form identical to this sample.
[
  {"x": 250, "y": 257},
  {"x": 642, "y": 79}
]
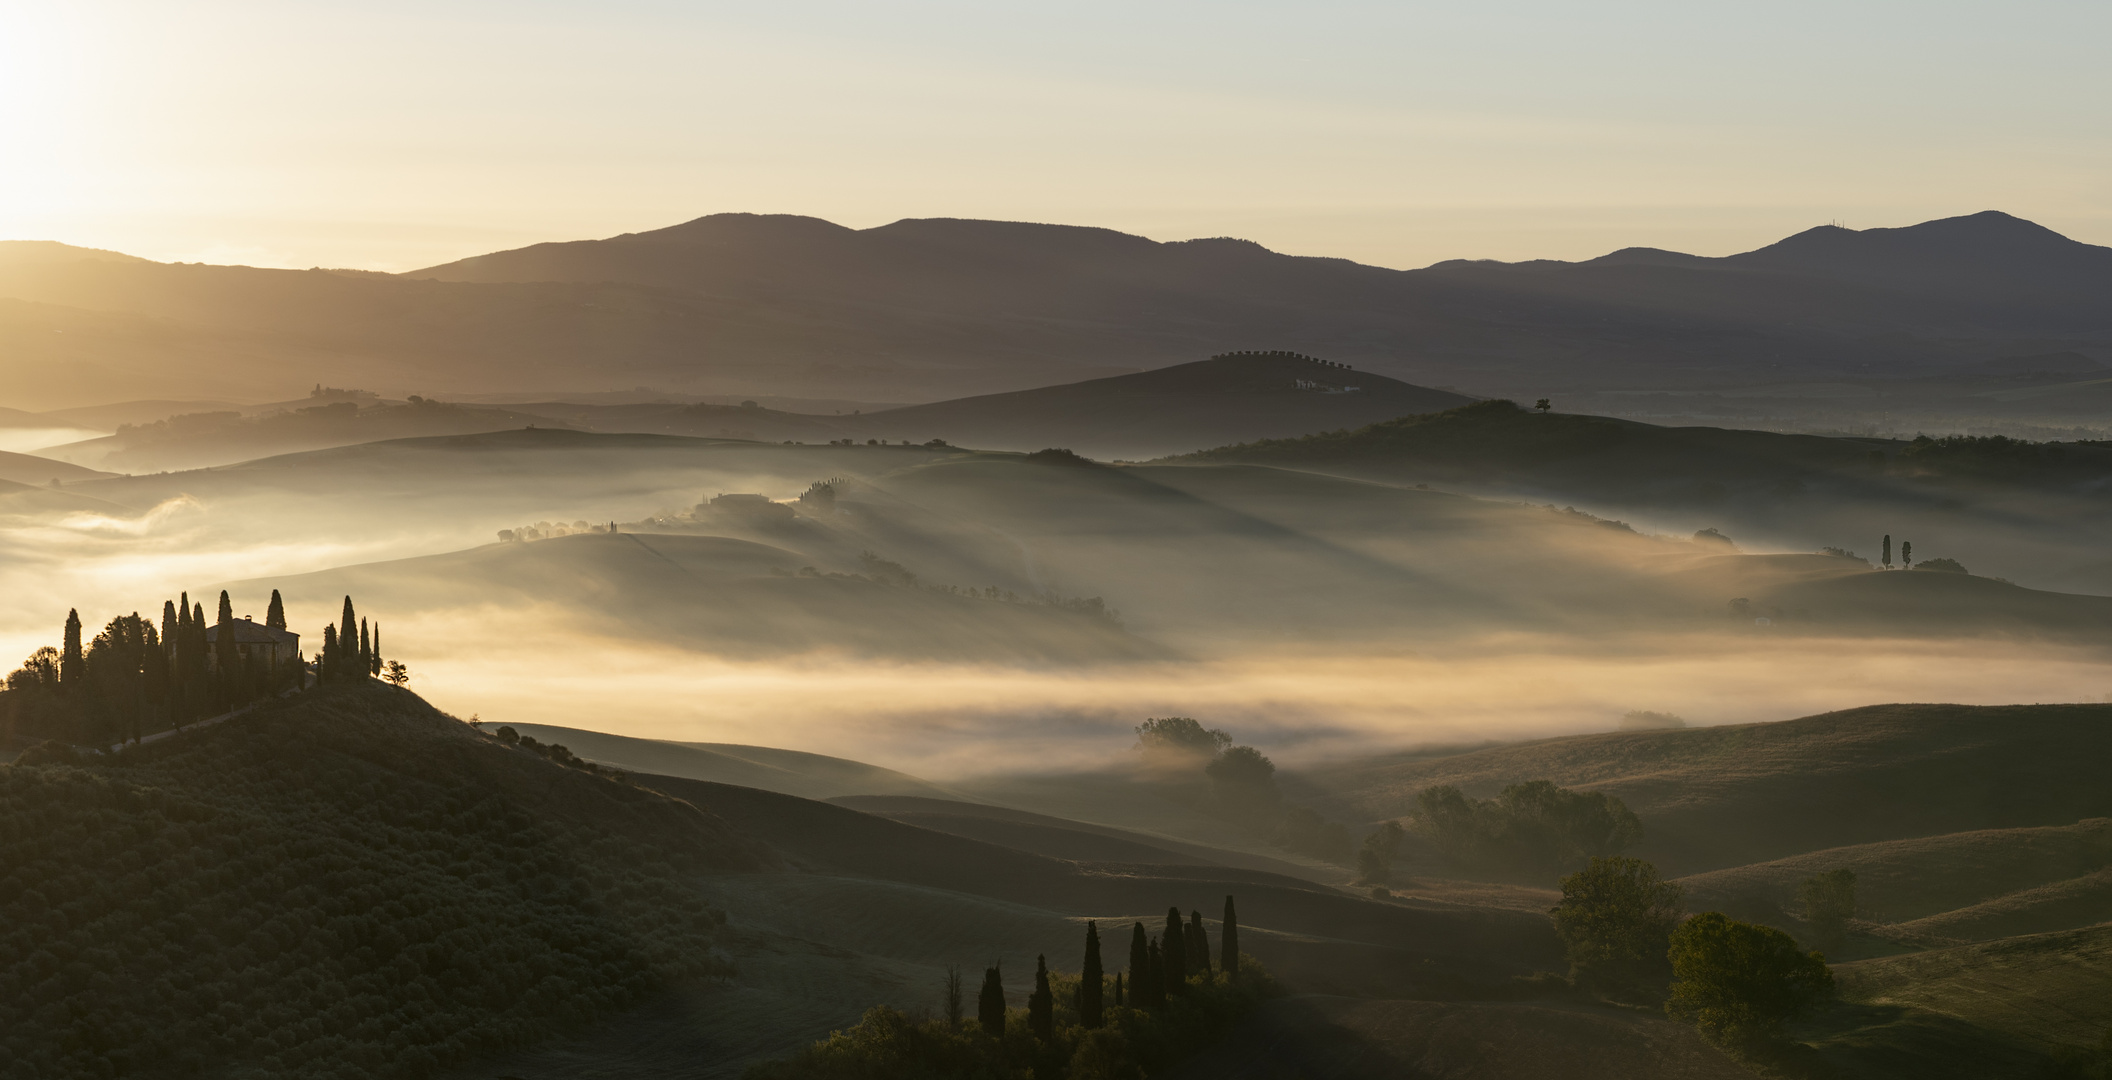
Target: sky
[{"x": 387, "y": 135}]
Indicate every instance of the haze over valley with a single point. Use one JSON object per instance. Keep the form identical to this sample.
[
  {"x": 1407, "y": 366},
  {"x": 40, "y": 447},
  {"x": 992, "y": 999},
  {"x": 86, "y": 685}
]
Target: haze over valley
[{"x": 886, "y": 542}]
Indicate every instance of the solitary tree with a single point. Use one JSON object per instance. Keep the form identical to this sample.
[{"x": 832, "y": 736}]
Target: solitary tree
[
  {"x": 1829, "y": 902},
  {"x": 990, "y": 1004},
  {"x": 1906, "y": 554},
  {"x": 1228, "y": 940},
  {"x": 275, "y": 615},
  {"x": 1375, "y": 859},
  {"x": 1198, "y": 945},
  {"x": 1616, "y": 917},
  {"x": 1886, "y": 557},
  {"x": 396, "y": 673},
  {"x": 1738, "y": 982},
  {"x": 1543, "y": 405},
  {"x": 1174, "y": 949},
  {"x": 953, "y": 994},
  {"x": 1041, "y": 1004},
  {"x": 1118, "y": 991},
  {"x": 1090, "y": 1010}
]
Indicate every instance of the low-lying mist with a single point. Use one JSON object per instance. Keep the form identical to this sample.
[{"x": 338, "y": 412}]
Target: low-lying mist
[{"x": 944, "y": 721}]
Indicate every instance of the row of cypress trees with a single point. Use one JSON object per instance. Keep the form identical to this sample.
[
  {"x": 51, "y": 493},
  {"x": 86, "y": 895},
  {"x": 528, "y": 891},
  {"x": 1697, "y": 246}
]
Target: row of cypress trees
[
  {"x": 136, "y": 677},
  {"x": 1161, "y": 967},
  {"x": 350, "y": 651}
]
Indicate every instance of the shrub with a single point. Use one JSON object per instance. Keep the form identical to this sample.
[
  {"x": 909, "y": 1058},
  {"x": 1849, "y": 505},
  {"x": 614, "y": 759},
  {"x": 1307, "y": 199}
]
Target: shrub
[
  {"x": 1535, "y": 825},
  {"x": 1739, "y": 982},
  {"x": 1616, "y": 919}
]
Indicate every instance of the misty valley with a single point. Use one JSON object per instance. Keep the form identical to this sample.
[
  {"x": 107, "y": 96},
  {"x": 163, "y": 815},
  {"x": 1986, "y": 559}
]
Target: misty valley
[{"x": 980, "y": 653}]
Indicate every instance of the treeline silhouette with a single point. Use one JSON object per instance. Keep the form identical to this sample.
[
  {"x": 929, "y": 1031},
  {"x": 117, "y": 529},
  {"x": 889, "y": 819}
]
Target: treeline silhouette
[
  {"x": 1171, "y": 1002},
  {"x": 136, "y": 678},
  {"x": 341, "y": 885}
]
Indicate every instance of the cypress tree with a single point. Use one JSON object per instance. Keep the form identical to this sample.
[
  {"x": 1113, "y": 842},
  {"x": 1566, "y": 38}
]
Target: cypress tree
[
  {"x": 1888, "y": 551},
  {"x": 275, "y": 615},
  {"x": 1118, "y": 990},
  {"x": 326, "y": 667},
  {"x": 1041, "y": 1004},
  {"x": 1198, "y": 945},
  {"x": 168, "y": 623},
  {"x": 990, "y": 1003},
  {"x": 374, "y": 668},
  {"x": 1155, "y": 974},
  {"x": 1089, "y": 999},
  {"x": 1139, "y": 968},
  {"x": 1175, "y": 952},
  {"x": 1228, "y": 940},
  {"x": 346, "y": 662},
  {"x": 227, "y": 610},
  {"x": 70, "y": 669},
  {"x": 366, "y": 650}
]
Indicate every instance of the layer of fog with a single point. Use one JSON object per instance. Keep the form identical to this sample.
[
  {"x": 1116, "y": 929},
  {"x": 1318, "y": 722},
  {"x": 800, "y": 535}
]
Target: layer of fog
[{"x": 949, "y": 721}]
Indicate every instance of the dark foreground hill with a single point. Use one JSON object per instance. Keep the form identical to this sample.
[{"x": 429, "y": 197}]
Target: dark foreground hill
[{"x": 348, "y": 884}]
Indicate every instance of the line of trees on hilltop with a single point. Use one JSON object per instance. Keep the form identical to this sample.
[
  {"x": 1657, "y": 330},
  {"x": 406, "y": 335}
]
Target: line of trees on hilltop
[
  {"x": 138, "y": 676},
  {"x": 1171, "y": 1002}
]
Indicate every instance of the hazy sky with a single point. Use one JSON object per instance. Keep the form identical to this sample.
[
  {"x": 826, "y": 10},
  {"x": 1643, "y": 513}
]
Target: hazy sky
[{"x": 393, "y": 135}]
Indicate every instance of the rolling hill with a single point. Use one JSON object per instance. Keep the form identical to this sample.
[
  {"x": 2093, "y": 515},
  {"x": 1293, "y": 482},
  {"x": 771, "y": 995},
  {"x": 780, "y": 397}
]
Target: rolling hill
[
  {"x": 1718, "y": 797},
  {"x": 2019, "y": 509}
]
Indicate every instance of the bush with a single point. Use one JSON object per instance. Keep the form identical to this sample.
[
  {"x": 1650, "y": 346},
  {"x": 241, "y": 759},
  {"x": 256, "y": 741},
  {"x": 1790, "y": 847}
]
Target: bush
[
  {"x": 1535, "y": 826},
  {"x": 1616, "y": 919},
  {"x": 1829, "y": 902},
  {"x": 1739, "y": 982}
]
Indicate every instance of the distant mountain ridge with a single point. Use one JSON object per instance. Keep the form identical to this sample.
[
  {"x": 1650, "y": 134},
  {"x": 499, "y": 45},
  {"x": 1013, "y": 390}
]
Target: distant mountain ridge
[{"x": 940, "y": 308}]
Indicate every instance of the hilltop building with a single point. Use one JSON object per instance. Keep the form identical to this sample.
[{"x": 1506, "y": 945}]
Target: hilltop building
[{"x": 255, "y": 641}]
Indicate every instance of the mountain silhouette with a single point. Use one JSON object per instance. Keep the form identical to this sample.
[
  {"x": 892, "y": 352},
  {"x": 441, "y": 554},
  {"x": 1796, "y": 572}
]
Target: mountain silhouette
[{"x": 927, "y": 309}]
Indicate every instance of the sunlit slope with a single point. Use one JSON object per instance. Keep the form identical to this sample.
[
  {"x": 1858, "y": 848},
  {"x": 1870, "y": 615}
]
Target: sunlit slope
[
  {"x": 2041, "y": 992},
  {"x": 1168, "y": 410},
  {"x": 790, "y": 772},
  {"x": 1263, "y": 553},
  {"x": 1931, "y": 879},
  {"x": 722, "y": 595},
  {"x": 190, "y": 440},
  {"x": 1719, "y": 797},
  {"x": 2029, "y": 512}
]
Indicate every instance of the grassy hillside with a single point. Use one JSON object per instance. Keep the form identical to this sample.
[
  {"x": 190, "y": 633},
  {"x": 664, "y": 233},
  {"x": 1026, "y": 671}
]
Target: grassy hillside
[
  {"x": 790, "y": 772},
  {"x": 1990, "y": 1009},
  {"x": 1928, "y": 877},
  {"x": 2026, "y": 511},
  {"x": 344, "y": 884},
  {"x": 732, "y": 597},
  {"x": 1718, "y": 797},
  {"x": 202, "y": 440}
]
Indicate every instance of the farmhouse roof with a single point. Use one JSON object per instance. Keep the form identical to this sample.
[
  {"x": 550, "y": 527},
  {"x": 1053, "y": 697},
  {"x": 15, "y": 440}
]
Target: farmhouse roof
[{"x": 248, "y": 632}]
